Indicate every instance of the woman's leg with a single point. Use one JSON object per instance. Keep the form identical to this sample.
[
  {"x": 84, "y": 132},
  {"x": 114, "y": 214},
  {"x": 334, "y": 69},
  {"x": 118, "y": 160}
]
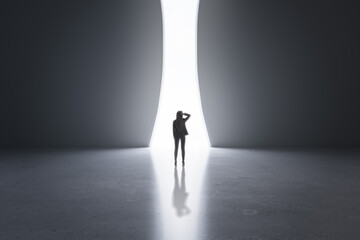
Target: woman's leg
[
  {"x": 176, "y": 139},
  {"x": 183, "y": 149}
]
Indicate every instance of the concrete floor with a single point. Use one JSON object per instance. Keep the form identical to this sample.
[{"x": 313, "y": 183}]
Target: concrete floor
[{"x": 137, "y": 194}]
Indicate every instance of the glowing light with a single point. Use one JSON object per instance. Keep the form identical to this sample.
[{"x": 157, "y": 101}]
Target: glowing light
[
  {"x": 180, "y": 204},
  {"x": 180, "y": 86}
]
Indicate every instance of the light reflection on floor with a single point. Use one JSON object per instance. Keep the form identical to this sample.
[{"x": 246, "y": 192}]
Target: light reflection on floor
[{"x": 179, "y": 198}]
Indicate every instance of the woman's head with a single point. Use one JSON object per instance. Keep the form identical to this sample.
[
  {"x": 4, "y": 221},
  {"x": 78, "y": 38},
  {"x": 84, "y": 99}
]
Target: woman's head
[{"x": 179, "y": 115}]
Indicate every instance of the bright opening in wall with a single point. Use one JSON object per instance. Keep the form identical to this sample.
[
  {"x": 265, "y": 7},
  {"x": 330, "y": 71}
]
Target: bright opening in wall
[{"x": 180, "y": 87}]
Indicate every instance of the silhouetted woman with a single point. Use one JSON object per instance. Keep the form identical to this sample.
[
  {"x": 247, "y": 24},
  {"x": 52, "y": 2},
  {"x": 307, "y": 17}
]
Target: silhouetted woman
[{"x": 179, "y": 132}]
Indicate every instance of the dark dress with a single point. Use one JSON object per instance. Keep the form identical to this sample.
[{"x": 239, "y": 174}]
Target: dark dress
[
  {"x": 179, "y": 133},
  {"x": 179, "y": 128}
]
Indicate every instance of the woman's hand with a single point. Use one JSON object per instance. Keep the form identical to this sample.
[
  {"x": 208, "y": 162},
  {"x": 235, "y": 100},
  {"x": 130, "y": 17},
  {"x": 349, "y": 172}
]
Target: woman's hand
[{"x": 187, "y": 116}]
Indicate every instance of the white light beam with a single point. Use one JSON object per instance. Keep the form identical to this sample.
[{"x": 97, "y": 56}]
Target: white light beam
[{"x": 180, "y": 86}]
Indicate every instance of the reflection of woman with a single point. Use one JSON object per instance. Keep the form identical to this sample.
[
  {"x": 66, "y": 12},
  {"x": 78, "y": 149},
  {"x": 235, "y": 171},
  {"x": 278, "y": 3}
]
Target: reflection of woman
[
  {"x": 179, "y": 133},
  {"x": 180, "y": 195}
]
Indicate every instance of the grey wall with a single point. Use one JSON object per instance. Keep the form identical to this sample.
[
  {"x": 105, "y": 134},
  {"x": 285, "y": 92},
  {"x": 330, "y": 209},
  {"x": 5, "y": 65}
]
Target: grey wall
[
  {"x": 280, "y": 73},
  {"x": 87, "y": 73},
  {"x": 79, "y": 73}
]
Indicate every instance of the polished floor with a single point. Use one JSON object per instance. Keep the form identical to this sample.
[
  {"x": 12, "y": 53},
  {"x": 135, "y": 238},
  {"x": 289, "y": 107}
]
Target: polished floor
[{"x": 243, "y": 194}]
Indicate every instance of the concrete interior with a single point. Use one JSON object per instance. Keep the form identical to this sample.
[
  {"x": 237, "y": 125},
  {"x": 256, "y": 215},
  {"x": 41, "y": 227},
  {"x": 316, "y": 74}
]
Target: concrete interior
[{"x": 79, "y": 77}]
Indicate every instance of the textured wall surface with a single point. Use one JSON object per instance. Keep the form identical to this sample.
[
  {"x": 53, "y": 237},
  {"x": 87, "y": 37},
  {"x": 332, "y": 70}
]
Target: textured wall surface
[
  {"x": 79, "y": 73},
  {"x": 280, "y": 73},
  {"x": 87, "y": 73}
]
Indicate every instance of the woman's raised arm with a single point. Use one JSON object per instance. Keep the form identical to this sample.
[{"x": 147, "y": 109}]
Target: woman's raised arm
[{"x": 187, "y": 116}]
